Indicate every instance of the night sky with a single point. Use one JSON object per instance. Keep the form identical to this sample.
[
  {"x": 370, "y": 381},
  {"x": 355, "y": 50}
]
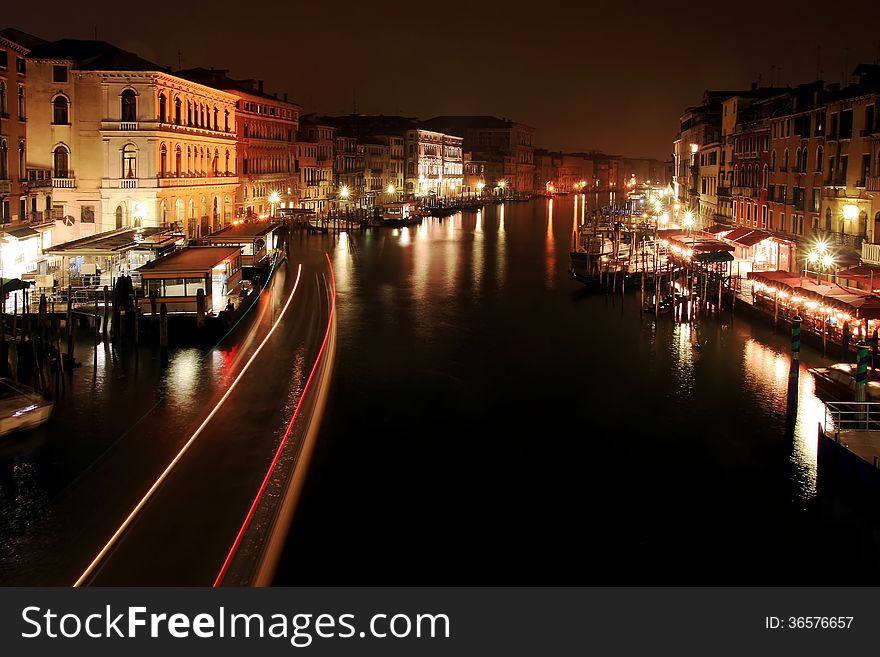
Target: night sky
[{"x": 613, "y": 76}]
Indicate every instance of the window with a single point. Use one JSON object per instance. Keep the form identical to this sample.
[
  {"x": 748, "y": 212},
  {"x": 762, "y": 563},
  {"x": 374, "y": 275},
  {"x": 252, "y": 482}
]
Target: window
[
  {"x": 3, "y": 110},
  {"x": 869, "y": 119},
  {"x": 4, "y": 160},
  {"x": 820, "y": 154},
  {"x": 177, "y": 111},
  {"x": 814, "y": 206},
  {"x": 129, "y": 161},
  {"x": 163, "y": 161},
  {"x": 178, "y": 158},
  {"x": 59, "y": 74},
  {"x": 20, "y": 65},
  {"x": 163, "y": 110},
  {"x": 129, "y": 106},
  {"x": 226, "y": 120},
  {"x": 216, "y": 114},
  {"x": 60, "y": 111},
  {"x": 21, "y": 114},
  {"x": 22, "y": 162},
  {"x": 846, "y": 124},
  {"x": 61, "y": 162},
  {"x": 4, "y": 59}
]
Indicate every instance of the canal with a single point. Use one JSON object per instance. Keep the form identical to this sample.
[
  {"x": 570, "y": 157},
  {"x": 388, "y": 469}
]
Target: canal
[{"x": 491, "y": 424}]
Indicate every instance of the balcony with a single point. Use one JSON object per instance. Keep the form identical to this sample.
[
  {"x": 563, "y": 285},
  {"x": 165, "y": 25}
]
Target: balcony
[
  {"x": 747, "y": 192},
  {"x": 845, "y": 240},
  {"x": 37, "y": 178},
  {"x": 871, "y": 253},
  {"x": 5, "y": 186},
  {"x": 64, "y": 183},
  {"x": 872, "y": 184},
  {"x": 128, "y": 183},
  {"x": 724, "y": 191},
  {"x": 128, "y": 125},
  {"x": 174, "y": 181}
]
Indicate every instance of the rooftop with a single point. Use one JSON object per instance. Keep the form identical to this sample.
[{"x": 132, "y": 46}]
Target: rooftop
[
  {"x": 93, "y": 56},
  {"x": 23, "y": 39},
  {"x": 117, "y": 241},
  {"x": 250, "y": 230},
  {"x": 193, "y": 258}
]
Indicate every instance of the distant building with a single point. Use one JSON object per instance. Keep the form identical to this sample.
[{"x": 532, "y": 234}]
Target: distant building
[
  {"x": 434, "y": 164},
  {"x": 507, "y": 147},
  {"x": 318, "y": 189}
]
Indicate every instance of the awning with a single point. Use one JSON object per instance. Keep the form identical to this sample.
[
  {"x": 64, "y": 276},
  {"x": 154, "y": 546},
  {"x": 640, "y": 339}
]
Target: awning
[
  {"x": 737, "y": 232},
  {"x": 862, "y": 272},
  {"x": 714, "y": 256},
  {"x": 8, "y": 285},
  {"x": 720, "y": 228},
  {"x": 750, "y": 239},
  {"x": 21, "y": 232}
]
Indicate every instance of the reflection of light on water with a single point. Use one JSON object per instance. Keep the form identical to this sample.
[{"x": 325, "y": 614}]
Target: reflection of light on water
[
  {"x": 550, "y": 252},
  {"x": 766, "y": 373},
  {"x": 477, "y": 246},
  {"x": 479, "y": 227},
  {"x": 683, "y": 353},
  {"x": 423, "y": 228},
  {"x": 183, "y": 371},
  {"x": 342, "y": 262},
  {"x": 405, "y": 237}
]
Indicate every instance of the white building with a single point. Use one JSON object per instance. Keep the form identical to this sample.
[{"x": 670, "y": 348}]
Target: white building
[
  {"x": 128, "y": 143},
  {"x": 434, "y": 164}
]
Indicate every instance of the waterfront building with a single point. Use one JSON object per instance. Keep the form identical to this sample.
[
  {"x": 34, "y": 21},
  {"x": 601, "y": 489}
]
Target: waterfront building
[
  {"x": 434, "y": 164},
  {"x": 128, "y": 142},
  {"x": 21, "y": 200},
  {"x": 850, "y": 207},
  {"x": 319, "y": 190},
  {"x": 506, "y": 146},
  {"x": 265, "y": 128},
  {"x": 574, "y": 170},
  {"x": 348, "y": 168},
  {"x": 474, "y": 178}
]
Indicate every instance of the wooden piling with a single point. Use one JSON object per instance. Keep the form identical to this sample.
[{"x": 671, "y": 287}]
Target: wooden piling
[
  {"x": 106, "y": 310},
  {"x": 200, "y": 308},
  {"x": 163, "y": 328}
]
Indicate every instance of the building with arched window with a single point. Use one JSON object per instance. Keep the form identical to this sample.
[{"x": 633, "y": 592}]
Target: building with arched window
[
  {"x": 265, "y": 154},
  {"x": 19, "y": 201},
  {"x": 117, "y": 133}
]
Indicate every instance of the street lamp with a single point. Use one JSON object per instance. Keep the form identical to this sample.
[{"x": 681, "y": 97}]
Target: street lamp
[
  {"x": 274, "y": 199},
  {"x": 480, "y": 186},
  {"x": 343, "y": 193},
  {"x": 821, "y": 259},
  {"x": 850, "y": 211}
]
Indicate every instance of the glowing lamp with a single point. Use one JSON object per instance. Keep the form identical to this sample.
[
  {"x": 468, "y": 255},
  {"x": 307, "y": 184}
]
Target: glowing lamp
[{"x": 850, "y": 211}]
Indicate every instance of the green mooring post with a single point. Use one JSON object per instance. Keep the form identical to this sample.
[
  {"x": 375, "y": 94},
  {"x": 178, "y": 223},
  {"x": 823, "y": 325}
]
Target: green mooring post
[{"x": 862, "y": 371}]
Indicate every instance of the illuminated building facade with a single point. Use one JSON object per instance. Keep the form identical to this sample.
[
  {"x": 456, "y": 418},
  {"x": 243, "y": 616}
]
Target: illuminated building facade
[
  {"x": 128, "y": 143},
  {"x": 266, "y": 128},
  {"x": 317, "y": 142},
  {"x": 507, "y": 147}
]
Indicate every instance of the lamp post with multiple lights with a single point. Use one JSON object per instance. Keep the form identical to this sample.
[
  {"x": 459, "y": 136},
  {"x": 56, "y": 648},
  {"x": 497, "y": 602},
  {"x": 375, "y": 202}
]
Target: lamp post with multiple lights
[{"x": 821, "y": 259}]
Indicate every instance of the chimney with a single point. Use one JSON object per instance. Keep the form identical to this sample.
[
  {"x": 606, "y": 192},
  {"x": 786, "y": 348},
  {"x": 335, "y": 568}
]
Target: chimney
[
  {"x": 285, "y": 96},
  {"x": 754, "y": 86},
  {"x": 260, "y": 86}
]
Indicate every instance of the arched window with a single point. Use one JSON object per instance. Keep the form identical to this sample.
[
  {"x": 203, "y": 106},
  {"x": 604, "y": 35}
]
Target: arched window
[
  {"x": 828, "y": 219},
  {"x": 189, "y": 166},
  {"x": 178, "y": 111},
  {"x": 4, "y": 160},
  {"x": 216, "y": 114},
  {"x": 785, "y": 161},
  {"x": 189, "y": 113},
  {"x": 21, "y": 113},
  {"x": 163, "y": 160},
  {"x": 226, "y": 120},
  {"x": 215, "y": 163},
  {"x": 61, "y": 162},
  {"x": 162, "y": 108},
  {"x": 60, "y": 111},
  {"x": 128, "y": 101},
  {"x": 766, "y": 178},
  {"x": 820, "y": 159},
  {"x": 129, "y": 161},
  {"x": 227, "y": 163},
  {"x": 178, "y": 158}
]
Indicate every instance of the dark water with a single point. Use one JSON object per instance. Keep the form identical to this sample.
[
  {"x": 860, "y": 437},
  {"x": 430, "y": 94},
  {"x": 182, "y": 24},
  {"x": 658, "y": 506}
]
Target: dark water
[{"x": 491, "y": 424}]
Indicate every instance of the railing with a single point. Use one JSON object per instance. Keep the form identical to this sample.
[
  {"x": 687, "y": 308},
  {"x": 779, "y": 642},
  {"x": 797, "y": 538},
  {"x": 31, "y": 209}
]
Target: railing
[
  {"x": 847, "y": 240},
  {"x": 128, "y": 125},
  {"x": 851, "y": 416},
  {"x": 174, "y": 181},
  {"x": 64, "y": 183},
  {"x": 39, "y": 178},
  {"x": 871, "y": 253},
  {"x": 873, "y": 184},
  {"x": 128, "y": 183},
  {"x": 748, "y": 192}
]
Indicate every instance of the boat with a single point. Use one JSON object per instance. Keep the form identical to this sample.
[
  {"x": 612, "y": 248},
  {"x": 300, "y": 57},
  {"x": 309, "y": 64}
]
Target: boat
[
  {"x": 838, "y": 382},
  {"x": 21, "y": 407},
  {"x": 403, "y": 213}
]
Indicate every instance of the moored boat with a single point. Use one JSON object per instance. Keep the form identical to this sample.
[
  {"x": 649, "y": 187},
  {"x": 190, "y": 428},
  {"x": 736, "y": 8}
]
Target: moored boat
[
  {"x": 838, "y": 381},
  {"x": 401, "y": 214},
  {"x": 21, "y": 407}
]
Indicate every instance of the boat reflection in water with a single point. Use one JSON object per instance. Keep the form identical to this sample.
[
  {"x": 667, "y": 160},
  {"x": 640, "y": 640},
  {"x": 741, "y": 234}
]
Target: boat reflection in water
[{"x": 21, "y": 407}]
